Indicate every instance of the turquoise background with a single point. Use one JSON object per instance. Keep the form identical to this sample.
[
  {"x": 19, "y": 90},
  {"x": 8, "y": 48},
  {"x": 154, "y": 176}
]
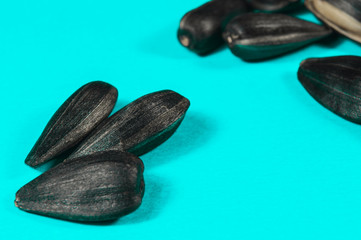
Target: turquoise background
[{"x": 255, "y": 157}]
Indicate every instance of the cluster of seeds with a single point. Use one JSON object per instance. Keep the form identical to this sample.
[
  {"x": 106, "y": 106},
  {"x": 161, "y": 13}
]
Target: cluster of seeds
[
  {"x": 101, "y": 177},
  {"x": 252, "y": 36},
  {"x": 254, "y": 32}
]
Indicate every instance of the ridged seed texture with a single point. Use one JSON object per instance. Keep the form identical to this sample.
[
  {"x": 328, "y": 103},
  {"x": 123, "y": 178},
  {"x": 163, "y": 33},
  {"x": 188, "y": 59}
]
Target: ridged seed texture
[
  {"x": 138, "y": 127},
  {"x": 335, "y": 82},
  {"x": 73, "y": 121},
  {"x": 99, "y": 187},
  {"x": 259, "y": 36}
]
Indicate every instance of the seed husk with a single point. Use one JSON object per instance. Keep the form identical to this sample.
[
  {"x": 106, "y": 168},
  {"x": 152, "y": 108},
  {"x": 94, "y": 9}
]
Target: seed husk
[
  {"x": 99, "y": 187},
  {"x": 73, "y": 121},
  {"x": 274, "y": 5},
  {"x": 200, "y": 30},
  {"x": 335, "y": 82},
  {"x": 343, "y": 16},
  {"x": 257, "y": 36},
  {"x": 138, "y": 127}
]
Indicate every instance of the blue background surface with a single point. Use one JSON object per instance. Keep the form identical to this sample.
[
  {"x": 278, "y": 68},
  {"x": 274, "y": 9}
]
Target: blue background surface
[{"x": 255, "y": 158}]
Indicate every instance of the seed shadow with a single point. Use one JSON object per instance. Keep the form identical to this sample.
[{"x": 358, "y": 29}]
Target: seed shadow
[
  {"x": 194, "y": 131},
  {"x": 297, "y": 10},
  {"x": 332, "y": 41},
  {"x": 221, "y": 48},
  {"x": 52, "y": 163},
  {"x": 103, "y": 223},
  {"x": 279, "y": 57},
  {"x": 157, "y": 193}
]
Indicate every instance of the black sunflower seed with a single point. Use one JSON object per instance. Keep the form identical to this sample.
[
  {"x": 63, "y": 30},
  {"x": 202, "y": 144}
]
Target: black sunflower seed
[
  {"x": 257, "y": 36},
  {"x": 73, "y": 121},
  {"x": 138, "y": 127},
  {"x": 335, "y": 82},
  {"x": 98, "y": 187},
  {"x": 200, "y": 30}
]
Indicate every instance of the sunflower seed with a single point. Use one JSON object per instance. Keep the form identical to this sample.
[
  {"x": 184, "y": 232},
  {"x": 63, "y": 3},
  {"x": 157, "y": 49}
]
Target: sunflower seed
[
  {"x": 73, "y": 121},
  {"x": 138, "y": 127},
  {"x": 343, "y": 16},
  {"x": 256, "y": 36},
  {"x": 200, "y": 30},
  {"x": 274, "y": 5},
  {"x": 98, "y": 187},
  {"x": 335, "y": 82}
]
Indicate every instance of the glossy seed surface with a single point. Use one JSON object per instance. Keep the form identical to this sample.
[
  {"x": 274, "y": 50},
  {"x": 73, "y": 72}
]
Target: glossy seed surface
[
  {"x": 274, "y": 5},
  {"x": 98, "y": 187},
  {"x": 138, "y": 127},
  {"x": 335, "y": 82},
  {"x": 257, "y": 36},
  {"x": 200, "y": 30},
  {"x": 73, "y": 121},
  {"x": 343, "y": 16}
]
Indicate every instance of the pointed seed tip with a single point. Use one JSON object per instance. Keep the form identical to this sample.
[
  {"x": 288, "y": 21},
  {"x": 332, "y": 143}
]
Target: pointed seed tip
[
  {"x": 28, "y": 161},
  {"x": 31, "y": 162}
]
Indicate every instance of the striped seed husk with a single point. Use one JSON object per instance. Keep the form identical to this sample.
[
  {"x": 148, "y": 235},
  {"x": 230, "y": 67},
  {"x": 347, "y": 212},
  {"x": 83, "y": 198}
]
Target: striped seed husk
[
  {"x": 98, "y": 187},
  {"x": 73, "y": 121},
  {"x": 258, "y": 36},
  {"x": 139, "y": 127},
  {"x": 335, "y": 82}
]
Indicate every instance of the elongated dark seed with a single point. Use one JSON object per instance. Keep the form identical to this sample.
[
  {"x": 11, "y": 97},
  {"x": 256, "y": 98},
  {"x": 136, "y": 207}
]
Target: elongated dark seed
[
  {"x": 98, "y": 187},
  {"x": 274, "y": 5},
  {"x": 335, "y": 82},
  {"x": 200, "y": 30},
  {"x": 73, "y": 121},
  {"x": 341, "y": 15},
  {"x": 139, "y": 127},
  {"x": 257, "y": 36}
]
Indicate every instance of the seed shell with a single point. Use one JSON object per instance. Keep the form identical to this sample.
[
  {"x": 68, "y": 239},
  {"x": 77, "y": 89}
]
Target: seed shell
[
  {"x": 99, "y": 187},
  {"x": 138, "y": 127},
  {"x": 200, "y": 30},
  {"x": 343, "y": 16},
  {"x": 274, "y": 5},
  {"x": 335, "y": 82},
  {"x": 73, "y": 121},
  {"x": 257, "y": 36}
]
